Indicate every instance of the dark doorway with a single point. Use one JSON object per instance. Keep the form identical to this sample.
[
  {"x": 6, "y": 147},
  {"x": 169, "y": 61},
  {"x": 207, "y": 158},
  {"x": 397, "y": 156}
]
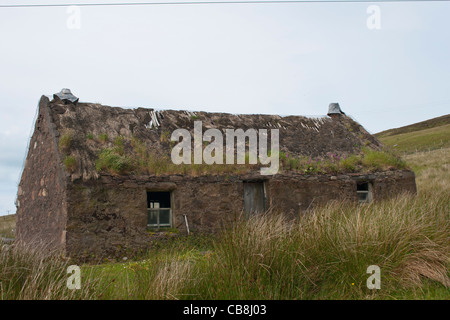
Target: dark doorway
[{"x": 254, "y": 199}]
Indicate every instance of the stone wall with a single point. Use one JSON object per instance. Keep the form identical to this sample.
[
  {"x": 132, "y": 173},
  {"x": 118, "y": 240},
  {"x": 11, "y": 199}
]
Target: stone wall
[
  {"x": 94, "y": 216},
  {"x": 293, "y": 194},
  {"x": 108, "y": 217},
  {"x": 391, "y": 183},
  {"x": 41, "y": 214}
]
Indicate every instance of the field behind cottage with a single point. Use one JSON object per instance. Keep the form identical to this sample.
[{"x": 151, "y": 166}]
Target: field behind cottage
[
  {"x": 7, "y": 226},
  {"x": 427, "y": 135},
  {"x": 324, "y": 255}
]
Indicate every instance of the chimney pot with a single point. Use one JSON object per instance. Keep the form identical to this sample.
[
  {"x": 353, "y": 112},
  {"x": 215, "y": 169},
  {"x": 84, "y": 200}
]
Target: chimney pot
[
  {"x": 66, "y": 96},
  {"x": 334, "y": 110}
]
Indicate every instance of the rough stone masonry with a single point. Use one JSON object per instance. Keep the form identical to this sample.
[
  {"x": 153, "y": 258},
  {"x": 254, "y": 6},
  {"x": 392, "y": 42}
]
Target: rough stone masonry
[{"x": 92, "y": 214}]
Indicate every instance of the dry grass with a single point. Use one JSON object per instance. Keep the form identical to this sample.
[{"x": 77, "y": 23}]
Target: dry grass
[
  {"x": 162, "y": 276},
  {"x": 35, "y": 273},
  {"x": 322, "y": 255},
  {"x": 325, "y": 254},
  {"x": 125, "y": 156},
  {"x": 329, "y": 249},
  {"x": 432, "y": 170},
  {"x": 421, "y": 140},
  {"x": 7, "y": 226}
]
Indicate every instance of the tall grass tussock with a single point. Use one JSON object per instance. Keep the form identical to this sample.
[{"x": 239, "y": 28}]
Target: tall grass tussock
[
  {"x": 325, "y": 254},
  {"x": 36, "y": 273}
]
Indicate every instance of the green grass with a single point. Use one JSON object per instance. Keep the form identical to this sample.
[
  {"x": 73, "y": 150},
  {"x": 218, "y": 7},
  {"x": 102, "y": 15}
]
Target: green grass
[
  {"x": 160, "y": 274},
  {"x": 37, "y": 273},
  {"x": 109, "y": 160},
  {"x": 366, "y": 161},
  {"x": 103, "y": 137},
  {"x": 7, "y": 226},
  {"x": 65, "y": 142},
  {"x": 322, "y": 255},
  {"x": 70, "y": 163},
  {"x": 132, "y": 156},
  {"x": 422, "y": 140},
  {"x": 427, "y": 124},
  {"x": 376, "y": 160}
]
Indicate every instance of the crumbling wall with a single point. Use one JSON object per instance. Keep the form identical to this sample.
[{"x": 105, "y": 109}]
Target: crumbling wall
[
  {"x": 293, "y": 194},
  {"x": 105, "y": 221},
  {"x": 41, "y": 214},
  {"x": 391, "y": 183},
  {"x": 108, "y": 217}
]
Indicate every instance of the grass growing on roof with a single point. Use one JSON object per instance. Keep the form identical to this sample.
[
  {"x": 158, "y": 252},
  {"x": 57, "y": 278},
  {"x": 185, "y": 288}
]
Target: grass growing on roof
[
  {"x": 109, "y": 160},
  {"x": 366, "y": 160},
  {"x": 103, "y": 137},
  {"x": 65, "y": 141},
  {"x": 133, "y": 156},
  {"x": 70, "y": 163},
  {"x": 119, "y": 146}
]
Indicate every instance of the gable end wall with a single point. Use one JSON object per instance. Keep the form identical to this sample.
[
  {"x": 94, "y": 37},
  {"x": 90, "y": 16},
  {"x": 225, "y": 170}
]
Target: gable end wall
[{"x": 41, "y": 198}]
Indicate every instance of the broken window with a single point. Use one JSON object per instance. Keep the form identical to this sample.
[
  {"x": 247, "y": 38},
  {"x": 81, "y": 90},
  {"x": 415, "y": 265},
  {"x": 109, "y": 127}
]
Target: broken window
[
  {"x": 363, "y": 190},
  {"x": 159, "y": 211}
]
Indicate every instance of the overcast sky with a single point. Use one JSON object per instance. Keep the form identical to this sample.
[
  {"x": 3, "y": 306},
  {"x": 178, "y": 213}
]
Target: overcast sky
[{"x": 287, "y": 59}]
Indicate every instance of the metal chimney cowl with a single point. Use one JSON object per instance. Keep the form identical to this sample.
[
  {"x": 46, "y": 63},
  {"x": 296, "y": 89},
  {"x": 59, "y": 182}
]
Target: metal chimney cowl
[
  {"x": 66, "y": 96},
  {"x": 334, "y": 110}
]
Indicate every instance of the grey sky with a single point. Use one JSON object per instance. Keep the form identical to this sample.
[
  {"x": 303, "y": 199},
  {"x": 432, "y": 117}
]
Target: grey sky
[{"x": 273, "y": 58}]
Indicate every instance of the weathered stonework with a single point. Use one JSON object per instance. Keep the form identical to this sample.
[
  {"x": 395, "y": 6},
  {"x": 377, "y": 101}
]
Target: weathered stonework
[
  {"x": 41, "y": 198},
  {"x": 108, "y": 216},
  {"x": 93, "y": 215}
]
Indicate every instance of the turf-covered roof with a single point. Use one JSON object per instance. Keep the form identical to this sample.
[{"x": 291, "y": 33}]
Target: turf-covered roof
[{"x": 92, "y": 127}]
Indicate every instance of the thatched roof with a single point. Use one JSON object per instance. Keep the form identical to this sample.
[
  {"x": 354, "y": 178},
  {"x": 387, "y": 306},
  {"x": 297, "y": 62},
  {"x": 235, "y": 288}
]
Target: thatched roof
[{"x": 86, "y": 123}]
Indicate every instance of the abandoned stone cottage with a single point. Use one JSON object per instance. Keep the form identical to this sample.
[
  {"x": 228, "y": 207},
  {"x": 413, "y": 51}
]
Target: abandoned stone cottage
[{"x": 68, "y": 199}]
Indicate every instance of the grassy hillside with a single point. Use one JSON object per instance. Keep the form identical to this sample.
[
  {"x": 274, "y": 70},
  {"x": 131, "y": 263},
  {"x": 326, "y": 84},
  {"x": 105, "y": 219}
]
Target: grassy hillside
[
  {"x": 427, "y": 124},
  {"x": 426, "y": 135},
  {"x": 7, "y": 226}
]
